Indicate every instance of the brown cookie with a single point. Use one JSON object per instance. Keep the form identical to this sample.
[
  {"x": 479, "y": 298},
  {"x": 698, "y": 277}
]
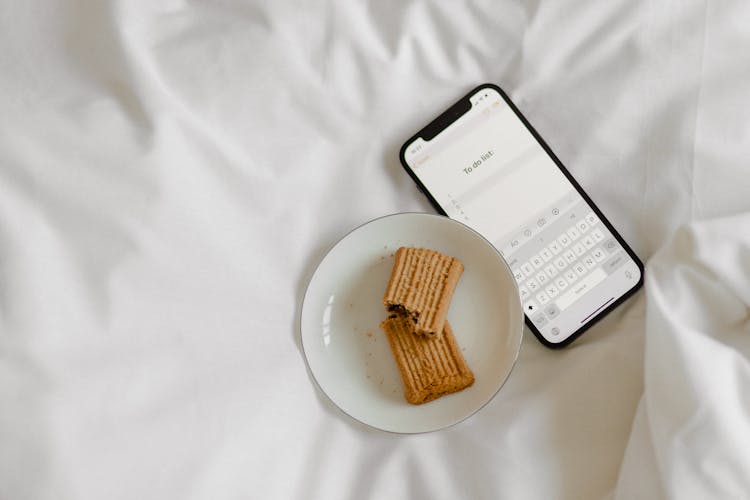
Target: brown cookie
[
  {"x": 430, "y": 367},
  {"x": 421, "y": 287}
]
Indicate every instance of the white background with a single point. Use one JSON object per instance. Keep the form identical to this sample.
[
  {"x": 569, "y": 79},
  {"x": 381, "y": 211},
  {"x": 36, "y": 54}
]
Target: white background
[{"x": 172, "y": 172}]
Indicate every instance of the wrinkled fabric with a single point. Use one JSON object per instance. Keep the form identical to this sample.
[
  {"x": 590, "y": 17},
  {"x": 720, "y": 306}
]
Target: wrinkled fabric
[
  {"x": 172, "y": 172},
  {"x": 694, "y": 416}
]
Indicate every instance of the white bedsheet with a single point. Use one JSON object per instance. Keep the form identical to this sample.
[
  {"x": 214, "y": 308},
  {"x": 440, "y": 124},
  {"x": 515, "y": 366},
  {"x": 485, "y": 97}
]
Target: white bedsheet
[
  {"x": 172, "y": 172},
  {"x": 689, "y": 435}
]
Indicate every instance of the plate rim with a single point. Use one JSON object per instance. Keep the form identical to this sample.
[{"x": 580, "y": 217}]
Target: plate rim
[{"x": 315, "y": 272}]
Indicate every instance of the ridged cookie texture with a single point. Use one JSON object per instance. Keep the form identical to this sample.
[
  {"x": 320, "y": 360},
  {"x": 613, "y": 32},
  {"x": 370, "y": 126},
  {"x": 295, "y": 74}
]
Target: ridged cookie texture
[
  {"x": 421, "y": 286},
  {"x": 429, "y": 367}
]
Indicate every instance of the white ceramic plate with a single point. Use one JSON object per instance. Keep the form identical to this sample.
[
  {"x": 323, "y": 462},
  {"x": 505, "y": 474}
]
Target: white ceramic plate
[{"x": 348, "y": 352}]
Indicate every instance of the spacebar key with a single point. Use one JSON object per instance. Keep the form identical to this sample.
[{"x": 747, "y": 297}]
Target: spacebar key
[{"x": 580, "y": 288}]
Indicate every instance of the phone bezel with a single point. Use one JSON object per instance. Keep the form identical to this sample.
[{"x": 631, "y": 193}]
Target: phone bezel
[{"x": 457, "y": 110}]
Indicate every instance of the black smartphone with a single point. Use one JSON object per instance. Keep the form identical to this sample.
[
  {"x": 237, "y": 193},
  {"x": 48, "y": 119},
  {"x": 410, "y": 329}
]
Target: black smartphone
[{"x": 482, "y": 163}]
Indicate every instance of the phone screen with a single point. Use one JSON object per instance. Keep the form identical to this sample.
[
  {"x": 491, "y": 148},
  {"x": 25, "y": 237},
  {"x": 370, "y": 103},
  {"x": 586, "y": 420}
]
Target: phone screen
[{"x": 488, "y": 170}]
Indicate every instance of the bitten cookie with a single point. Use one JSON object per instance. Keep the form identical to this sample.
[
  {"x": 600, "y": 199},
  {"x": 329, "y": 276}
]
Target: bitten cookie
[
  {"x": 421, "y": 287},
  {"x": 429, "y": 367}
]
